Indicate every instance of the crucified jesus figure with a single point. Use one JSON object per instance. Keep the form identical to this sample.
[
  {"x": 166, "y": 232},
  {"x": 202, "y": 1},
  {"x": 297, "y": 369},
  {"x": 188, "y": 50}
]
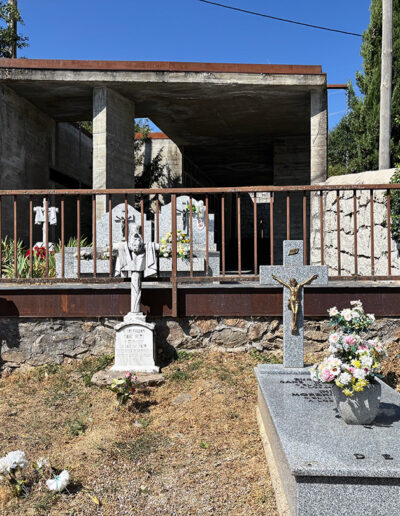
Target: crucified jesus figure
[{"x": 294, "y": 303}]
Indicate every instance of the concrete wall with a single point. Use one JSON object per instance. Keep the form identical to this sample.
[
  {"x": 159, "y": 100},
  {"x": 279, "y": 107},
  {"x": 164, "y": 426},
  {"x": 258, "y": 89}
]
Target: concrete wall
[
  {"x": 347, "y": 227},
  {"x": 113, "y": 143},
  {"x": 31, "y": 143},
  {"x": 171, "y": 158}
]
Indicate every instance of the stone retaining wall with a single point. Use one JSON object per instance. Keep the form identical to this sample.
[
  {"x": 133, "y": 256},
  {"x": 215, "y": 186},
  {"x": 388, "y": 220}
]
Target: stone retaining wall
[
  {"x": 35, "y": 342},
  {"x": 347, "y": 240}
]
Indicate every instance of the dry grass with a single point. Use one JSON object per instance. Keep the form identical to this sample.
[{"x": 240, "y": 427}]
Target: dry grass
[{"x": 189, "y": 447}]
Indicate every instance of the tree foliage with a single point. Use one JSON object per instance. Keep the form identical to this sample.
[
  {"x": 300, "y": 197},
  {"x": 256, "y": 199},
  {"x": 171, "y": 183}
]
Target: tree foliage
[
  {"x": 8, "y": 36},
  {"x": 353, "y": 145}
]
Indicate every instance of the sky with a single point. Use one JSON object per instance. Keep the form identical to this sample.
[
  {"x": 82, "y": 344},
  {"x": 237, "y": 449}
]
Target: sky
[{"x": 189, "y": 30}]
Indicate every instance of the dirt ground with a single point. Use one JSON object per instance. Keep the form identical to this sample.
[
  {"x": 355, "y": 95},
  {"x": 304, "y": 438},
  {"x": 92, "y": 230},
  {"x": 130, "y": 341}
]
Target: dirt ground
[{"x": 188, "y": 447}]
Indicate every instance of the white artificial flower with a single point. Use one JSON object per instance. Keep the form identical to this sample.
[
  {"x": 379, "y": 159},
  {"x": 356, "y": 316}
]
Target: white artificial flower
[
  {"x": 313, "y": 374},
  {"x": 333, "y": 361},
  {"x": 356, "y": 303},
  {"x": 59, "y": 482},
  {"x": 355, "y": 314},
  {"x": 333, "y": 311},
  {"x": 366, "y": 361},
  {"x": 371, "y": 317},
  {"x": 3, "y": 465},
  {"x": 345, "y": 378},
  {"x": 334, "y": 338},
  {"x": 359, "y": 374},
  {"x": 13, "y": 460},
  {"x": 332, "y": 348},
  {"x": 41, "y": 463},
  {"x": 346, "y": 314}
]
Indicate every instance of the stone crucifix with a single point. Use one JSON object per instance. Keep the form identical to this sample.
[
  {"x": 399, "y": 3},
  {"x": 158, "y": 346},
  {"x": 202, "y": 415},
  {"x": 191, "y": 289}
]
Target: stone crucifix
[{"x": 293, "y": 276}]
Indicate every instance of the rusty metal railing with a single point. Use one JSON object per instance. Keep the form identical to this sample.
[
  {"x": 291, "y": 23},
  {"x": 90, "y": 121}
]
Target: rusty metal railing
[{"x": 334, "y": 221}]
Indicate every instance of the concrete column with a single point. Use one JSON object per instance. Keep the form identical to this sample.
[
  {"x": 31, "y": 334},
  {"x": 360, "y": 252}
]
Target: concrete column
[
  {"x": 318, "y": 164},
  {"x": 113, "y": 142},
  {"x": 319, "y": 136}
]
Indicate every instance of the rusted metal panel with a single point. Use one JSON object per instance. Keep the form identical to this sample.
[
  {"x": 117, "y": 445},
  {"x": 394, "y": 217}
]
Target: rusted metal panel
[
  {"x": 202, "y": 190},
  {"x": 204, "y": 302}
]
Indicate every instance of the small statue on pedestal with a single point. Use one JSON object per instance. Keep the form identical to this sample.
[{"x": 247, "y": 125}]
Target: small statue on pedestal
[
  {"x": 134, "y": 343},
  {"x": 134, "y": 259}
]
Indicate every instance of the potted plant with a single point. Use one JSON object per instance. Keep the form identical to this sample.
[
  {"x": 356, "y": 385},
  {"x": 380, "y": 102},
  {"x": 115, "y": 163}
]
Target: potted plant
[{"x": 353, "y": 365}]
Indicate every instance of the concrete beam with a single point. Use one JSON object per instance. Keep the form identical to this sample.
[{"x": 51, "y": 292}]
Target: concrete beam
[
  {"x": 113, "y": 142},
  {"x": 319, "y": 136}
]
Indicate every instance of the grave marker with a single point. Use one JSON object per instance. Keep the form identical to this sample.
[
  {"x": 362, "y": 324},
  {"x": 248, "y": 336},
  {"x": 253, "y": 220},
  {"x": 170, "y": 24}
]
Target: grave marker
[{"x": 293, "y": 269}]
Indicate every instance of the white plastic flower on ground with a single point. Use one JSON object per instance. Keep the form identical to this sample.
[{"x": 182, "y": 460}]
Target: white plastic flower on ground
[{"x": 59, "y": 482}]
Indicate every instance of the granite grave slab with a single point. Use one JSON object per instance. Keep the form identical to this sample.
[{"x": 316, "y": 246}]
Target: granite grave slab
[{"x": 327, "y": 467}]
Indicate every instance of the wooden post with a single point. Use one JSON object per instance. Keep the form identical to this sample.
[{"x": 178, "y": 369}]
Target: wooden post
[{"x": 386, "y": 85}]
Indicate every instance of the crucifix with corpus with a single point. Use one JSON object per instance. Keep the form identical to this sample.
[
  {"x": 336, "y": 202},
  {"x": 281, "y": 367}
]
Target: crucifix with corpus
[{"x": 293, "y": 276}]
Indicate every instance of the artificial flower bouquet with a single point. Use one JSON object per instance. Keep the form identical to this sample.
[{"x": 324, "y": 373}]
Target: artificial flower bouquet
[
  {"x": 354, "y": 360},
  {"x": 182, "y": 249}
]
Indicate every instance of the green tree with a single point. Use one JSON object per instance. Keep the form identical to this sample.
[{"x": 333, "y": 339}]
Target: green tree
[
  {"x": 353, "y": 145},
  {"x": 8, "y": 36}
]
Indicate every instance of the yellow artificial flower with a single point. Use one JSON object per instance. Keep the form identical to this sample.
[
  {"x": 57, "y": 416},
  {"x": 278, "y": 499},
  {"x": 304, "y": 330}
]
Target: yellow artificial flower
[
  {"x": 347, "y": 392},
  {"x": 339, "y": 384},
  {"x": 356, "y": 363}
]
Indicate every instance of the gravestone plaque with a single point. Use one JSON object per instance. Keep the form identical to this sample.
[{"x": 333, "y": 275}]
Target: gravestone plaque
[{"x": 134, "y": 345}]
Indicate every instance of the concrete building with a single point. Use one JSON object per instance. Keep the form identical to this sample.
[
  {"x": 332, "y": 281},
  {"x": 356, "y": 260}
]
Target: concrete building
[{"x": 229, "y": 124}]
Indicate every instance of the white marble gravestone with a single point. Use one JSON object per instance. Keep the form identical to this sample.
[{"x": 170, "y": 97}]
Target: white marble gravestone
[
  {"x": 134, "y": 345},
  {"x": 118, "y": 225},
  {"x": 199, "y": 236},
  {"x": 102, "y": 243}
]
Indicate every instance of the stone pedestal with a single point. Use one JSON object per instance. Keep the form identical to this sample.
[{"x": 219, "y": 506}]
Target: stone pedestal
[{"x": 134, "y": 345}]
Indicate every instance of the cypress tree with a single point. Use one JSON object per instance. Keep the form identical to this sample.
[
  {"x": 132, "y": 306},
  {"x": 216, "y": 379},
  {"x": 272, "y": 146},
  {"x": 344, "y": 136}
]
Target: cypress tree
[{"x": 357, "y": 134}]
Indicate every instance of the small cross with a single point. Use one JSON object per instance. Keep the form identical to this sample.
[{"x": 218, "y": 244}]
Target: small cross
[
  {"x": 293, "y": 274},
  {"x": 40, "y": 218}
]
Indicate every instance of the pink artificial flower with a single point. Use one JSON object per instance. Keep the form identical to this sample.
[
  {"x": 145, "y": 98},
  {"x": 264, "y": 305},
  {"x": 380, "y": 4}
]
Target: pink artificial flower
[
  {"x": 327, "y": 375},
  {"x": 128, "y": 374},
  {"x": 351, "y": 369},
  {"x": 363, "y": 347},
  {"x": 349, "y": 340}
]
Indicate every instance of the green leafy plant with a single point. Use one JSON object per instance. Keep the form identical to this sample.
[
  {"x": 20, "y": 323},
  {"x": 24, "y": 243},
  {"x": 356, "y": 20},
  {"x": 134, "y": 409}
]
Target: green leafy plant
[
  {"x": 77, "y": 426},
  {"x": 23, "y": 262},
  {"x": 9, "y": 37},
  {"x": 124, "y": 388},
  {"x": 89, "y": 366},
  {"x": 395, "y": 207}
]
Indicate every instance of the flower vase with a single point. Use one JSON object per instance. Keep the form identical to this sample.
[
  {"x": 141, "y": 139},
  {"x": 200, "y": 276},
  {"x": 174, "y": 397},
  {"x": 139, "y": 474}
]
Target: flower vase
[{"x": 361, "y": 408}]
